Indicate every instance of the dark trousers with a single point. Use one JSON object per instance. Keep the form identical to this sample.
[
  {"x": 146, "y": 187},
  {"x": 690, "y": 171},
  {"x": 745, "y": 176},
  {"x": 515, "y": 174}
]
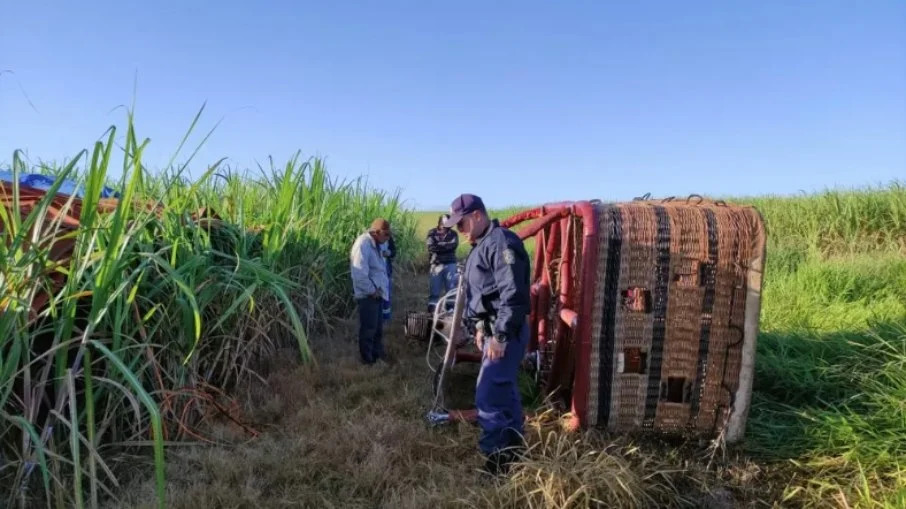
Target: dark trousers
[
  {"x": 371, "y": 330},
  {"x": 386, "y": 303},
  {"x": 497, "y": 397}
]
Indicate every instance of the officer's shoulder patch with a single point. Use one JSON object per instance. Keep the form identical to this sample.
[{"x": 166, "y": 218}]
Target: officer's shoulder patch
[{"x": 509, "y": 256}]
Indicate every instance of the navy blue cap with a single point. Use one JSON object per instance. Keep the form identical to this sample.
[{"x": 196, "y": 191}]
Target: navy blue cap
[{"x": 463, "y": 205}]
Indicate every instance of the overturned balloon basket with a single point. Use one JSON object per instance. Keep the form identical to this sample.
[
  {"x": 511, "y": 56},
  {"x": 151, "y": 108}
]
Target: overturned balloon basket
[{"x": 644, "y": 316}]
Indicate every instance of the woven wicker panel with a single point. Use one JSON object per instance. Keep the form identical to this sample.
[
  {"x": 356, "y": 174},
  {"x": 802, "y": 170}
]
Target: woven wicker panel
[
  {"x": 633, "y": 328},
  {"x": 729, "y": 301},
  {"x": 602, "y": 308},
  {"x": 670, "y": 360},
  {"x": 418, "y": 325},
  {"x": 688, "y": 249},
  {"x": 742, "y": 224}
]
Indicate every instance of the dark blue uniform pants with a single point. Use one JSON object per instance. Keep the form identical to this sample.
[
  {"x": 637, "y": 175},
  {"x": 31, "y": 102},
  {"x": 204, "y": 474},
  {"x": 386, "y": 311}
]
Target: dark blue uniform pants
[
  {"x": 497, "y": 396},
  {"x": 386, "y": 303},
  {"x": 371, "y": 329}
]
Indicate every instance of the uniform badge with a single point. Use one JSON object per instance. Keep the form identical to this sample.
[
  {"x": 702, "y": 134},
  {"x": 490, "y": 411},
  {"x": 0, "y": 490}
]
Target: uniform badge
[{"x": 509, "y": 256}]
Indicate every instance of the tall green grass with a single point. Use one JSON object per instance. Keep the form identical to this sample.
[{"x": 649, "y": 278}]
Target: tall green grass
[
  {"x": 869, "y": 219},
  {"x": 160, "y": 308},
  {"x": 830, "y": 376}
]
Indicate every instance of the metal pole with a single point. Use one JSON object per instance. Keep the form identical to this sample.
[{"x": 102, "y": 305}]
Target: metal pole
[{"x": 437, "y": 414}]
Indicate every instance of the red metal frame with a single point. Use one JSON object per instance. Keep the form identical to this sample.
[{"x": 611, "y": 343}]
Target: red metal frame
[
  {"x": 552, "y": 227},
  {"x": 570, "y": 366}
]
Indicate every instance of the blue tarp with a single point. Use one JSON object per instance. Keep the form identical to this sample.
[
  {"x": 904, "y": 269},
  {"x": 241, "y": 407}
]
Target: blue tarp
[{"x": 44, "y": 182}]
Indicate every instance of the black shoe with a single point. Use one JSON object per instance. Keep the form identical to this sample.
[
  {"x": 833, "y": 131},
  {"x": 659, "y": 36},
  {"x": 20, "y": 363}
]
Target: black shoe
[
  {"x": 499, "y": 463},
  {"x": 491, "y": 466}
]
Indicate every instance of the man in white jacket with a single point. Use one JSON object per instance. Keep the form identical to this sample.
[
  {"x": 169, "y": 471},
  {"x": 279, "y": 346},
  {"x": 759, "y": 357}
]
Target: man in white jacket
[{"x": 371, "y": 286}]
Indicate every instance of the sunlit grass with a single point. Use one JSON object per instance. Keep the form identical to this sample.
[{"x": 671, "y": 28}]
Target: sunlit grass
[{"x": 159, "y": 306}]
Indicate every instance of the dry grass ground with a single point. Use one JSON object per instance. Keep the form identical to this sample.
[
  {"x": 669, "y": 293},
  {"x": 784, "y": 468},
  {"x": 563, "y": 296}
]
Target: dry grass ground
[{"x": 338, "y": 434}]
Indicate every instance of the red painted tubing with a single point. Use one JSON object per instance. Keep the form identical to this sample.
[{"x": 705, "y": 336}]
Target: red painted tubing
[
  {"x": 569, "y": 317},
  {"x": 461, "y": 356},
  {"x": 588, "y": 278}
]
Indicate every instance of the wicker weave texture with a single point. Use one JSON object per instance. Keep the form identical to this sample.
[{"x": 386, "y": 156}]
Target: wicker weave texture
[
  {"x": 418, "y": 325},
  {"x": 669, "y": 312}
]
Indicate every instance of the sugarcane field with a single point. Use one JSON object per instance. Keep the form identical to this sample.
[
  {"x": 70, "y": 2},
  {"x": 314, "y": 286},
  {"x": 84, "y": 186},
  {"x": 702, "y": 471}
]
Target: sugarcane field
[{"x": 467, "y": 256}]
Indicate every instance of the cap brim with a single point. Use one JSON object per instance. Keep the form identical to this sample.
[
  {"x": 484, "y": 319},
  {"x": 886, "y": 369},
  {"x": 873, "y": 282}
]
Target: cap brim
[{"x": 453, "y": 220}]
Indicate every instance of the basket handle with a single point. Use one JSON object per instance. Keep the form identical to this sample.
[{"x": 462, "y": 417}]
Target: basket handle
[{"x": 700, "y": 198}]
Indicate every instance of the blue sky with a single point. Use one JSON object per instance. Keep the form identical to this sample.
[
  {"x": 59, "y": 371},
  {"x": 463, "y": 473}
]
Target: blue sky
[{"x": 579, "y": 100}]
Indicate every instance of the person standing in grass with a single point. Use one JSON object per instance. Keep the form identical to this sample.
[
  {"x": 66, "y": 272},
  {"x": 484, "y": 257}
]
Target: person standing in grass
[
  {"x": 442, "y": 243},
  {"x": 388, "y": 251},
  {"x": 497, "y": 276},
  {"x": 371, "y": 287}
]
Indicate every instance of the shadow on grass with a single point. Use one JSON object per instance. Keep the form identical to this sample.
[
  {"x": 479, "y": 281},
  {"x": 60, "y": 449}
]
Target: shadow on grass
[{"x": 834, "y": 397}]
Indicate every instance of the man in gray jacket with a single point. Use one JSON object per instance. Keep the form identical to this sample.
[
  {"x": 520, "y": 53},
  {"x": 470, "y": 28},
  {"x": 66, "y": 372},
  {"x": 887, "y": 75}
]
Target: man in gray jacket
[{"x": 371, "y": 286}]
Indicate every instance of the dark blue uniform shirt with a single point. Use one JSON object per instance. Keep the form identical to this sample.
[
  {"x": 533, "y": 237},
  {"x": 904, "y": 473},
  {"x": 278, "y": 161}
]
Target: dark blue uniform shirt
[{"x": 498, "y": 277}]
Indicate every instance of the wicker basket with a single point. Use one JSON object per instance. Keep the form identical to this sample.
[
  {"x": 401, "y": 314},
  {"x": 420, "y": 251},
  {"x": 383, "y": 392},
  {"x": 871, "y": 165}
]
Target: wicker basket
[
  {"x": 418, "y": 325},
  {"x": 675, "y": 317}
]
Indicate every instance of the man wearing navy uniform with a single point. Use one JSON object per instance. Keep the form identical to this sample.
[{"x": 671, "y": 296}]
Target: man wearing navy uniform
[{"x": 497, "y": 273}]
